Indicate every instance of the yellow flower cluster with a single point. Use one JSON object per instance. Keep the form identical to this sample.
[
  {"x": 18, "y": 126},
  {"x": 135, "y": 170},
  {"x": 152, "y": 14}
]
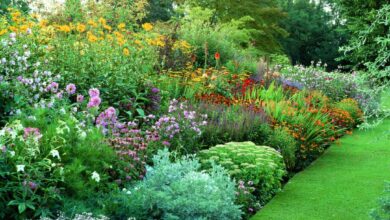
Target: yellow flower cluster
[{"x": 147, "y": 26}]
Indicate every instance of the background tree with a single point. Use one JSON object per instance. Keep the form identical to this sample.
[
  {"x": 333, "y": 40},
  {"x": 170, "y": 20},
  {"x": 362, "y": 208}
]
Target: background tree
[
  {"x": 161, "y": 10},
  {"x": 20, "y": 4},
  {"x": 359, "y": 16},
  {"x": 314, "y": 33}
]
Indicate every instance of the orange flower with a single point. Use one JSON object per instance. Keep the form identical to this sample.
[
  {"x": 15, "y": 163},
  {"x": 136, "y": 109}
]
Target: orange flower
[{"x": 217, "y": 56}]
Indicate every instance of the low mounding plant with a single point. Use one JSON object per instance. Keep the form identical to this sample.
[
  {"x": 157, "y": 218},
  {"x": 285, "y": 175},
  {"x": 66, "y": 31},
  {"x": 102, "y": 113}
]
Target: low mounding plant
[
  {"x": 178, "y": 191},
  {"x": 248, "y": 162}
]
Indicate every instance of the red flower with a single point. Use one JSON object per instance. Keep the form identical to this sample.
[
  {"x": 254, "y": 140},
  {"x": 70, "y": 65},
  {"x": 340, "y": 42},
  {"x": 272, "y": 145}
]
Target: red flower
[{"x": 217, "y": 56}]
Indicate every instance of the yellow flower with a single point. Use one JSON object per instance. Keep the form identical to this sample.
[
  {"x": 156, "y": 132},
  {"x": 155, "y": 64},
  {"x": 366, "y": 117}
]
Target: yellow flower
[
  {"x": 43, "y": 23},
  {"x": 92, "y": 23},
  {"x": 91, "y": 37},
  {"x": 110, "y": 38},
  {"x": 2, "y": 32},
  {"x": 147, "y": 26},
  {"x": 80, "y": 28},
  {"x": 118, "y": 35},
  {"x": 138, "y": 42},
  {"x": 64, "y": 28},
  {"x": 121, "y": 26},
  {"x": 23, "y": 28},
  {"x": 13, "y": 29},
  {"x": 126, "y": 52},
  {"x": 102, "y": 21},
  {"x": 107, "y": 27},
  {"x": 15, "y": 15},
  {"x": 121, "y": 41}
]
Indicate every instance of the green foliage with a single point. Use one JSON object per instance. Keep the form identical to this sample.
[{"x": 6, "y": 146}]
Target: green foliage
[
  {"x": 185, "y": 194},
  {"x": 230, "y": 39},
  {"x": 248, "y": 162},
  {"x": 265, "y": 17},
  {"x": 159, "y": 10},
  {"x": 73, "y": 10},
  {"x": 49, "y": 155},
  {"x": 99, "y": 65},
  {"x": 285, "y": 143},
  {"x": 382, "y": 212},
  {"x": 361, "y": 18},
  {"x": 313, "y": 33},
  {"x": 19, "y": 4}
]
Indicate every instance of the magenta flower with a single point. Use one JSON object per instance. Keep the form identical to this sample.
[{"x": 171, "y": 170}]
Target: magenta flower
[
  {"x": 166, "y": 143},
  {"x": 94, "y": 93},
  {"x": 71, "y": 89},
  {"x": 80, "y": 98},
  {"x": 94, "y": 102}
]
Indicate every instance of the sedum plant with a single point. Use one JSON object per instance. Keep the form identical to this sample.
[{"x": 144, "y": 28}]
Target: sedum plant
[{"x": 248, "y": 162}]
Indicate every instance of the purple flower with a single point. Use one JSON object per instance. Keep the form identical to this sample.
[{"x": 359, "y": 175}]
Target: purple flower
[
  {"x": 94, "y": 102},
  {"x": 94, "y": 93},
  {"x": 155, "y": 90},
  {"x": 20, "y": 78},
  {"x": 32, "y": 185},
  {"x": 71, "y": 89},
  {"x": 80, "y": 98}
]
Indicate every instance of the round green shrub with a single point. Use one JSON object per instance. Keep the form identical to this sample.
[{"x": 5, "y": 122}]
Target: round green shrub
[{"x": 248, "y": 162}]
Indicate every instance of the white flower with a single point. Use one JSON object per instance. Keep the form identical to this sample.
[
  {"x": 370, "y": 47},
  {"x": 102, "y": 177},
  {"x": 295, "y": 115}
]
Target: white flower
[
  {"x": 62, "y": 111},
  {"x": 95, "y": 176},
  {"x": 55, "y": 153},
  {"x": 83, "y": 135},
  {"x": 12, "y": 153},
  {"x": 20, "y": 168}
]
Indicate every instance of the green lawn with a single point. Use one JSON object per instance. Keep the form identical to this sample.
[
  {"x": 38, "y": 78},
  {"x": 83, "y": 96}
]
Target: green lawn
[{"x": 343, "y": 184}]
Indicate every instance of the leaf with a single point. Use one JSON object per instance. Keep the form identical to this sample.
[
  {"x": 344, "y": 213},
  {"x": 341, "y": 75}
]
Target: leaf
[
  {"x": 21, "y": 207},
  {"x": 30, "y": 205},
  {"x": 141, "y": 112}
]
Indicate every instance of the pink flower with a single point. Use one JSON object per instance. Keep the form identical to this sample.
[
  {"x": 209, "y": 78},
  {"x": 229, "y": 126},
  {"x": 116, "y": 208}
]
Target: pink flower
[
  {"x": 94, "y": 102},
  {"x": 80, "y": 98},
  {"x": 32, "y": 132},
  {"x": 59, "y": 95},
  {"x": 110, "y": 112},
  {"x": 71, "y": 89},
  {"x": 94, "y": 93},
  {"x": 166, "y": 143},
  {"x": 53, "y": 87}
]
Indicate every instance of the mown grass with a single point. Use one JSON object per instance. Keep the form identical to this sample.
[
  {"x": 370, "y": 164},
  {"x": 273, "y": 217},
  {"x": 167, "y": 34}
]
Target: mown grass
[{"x": 343, "y": 184}]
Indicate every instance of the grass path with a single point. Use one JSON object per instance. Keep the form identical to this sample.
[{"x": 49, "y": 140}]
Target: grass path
[{"x": 343, "y": 184}]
